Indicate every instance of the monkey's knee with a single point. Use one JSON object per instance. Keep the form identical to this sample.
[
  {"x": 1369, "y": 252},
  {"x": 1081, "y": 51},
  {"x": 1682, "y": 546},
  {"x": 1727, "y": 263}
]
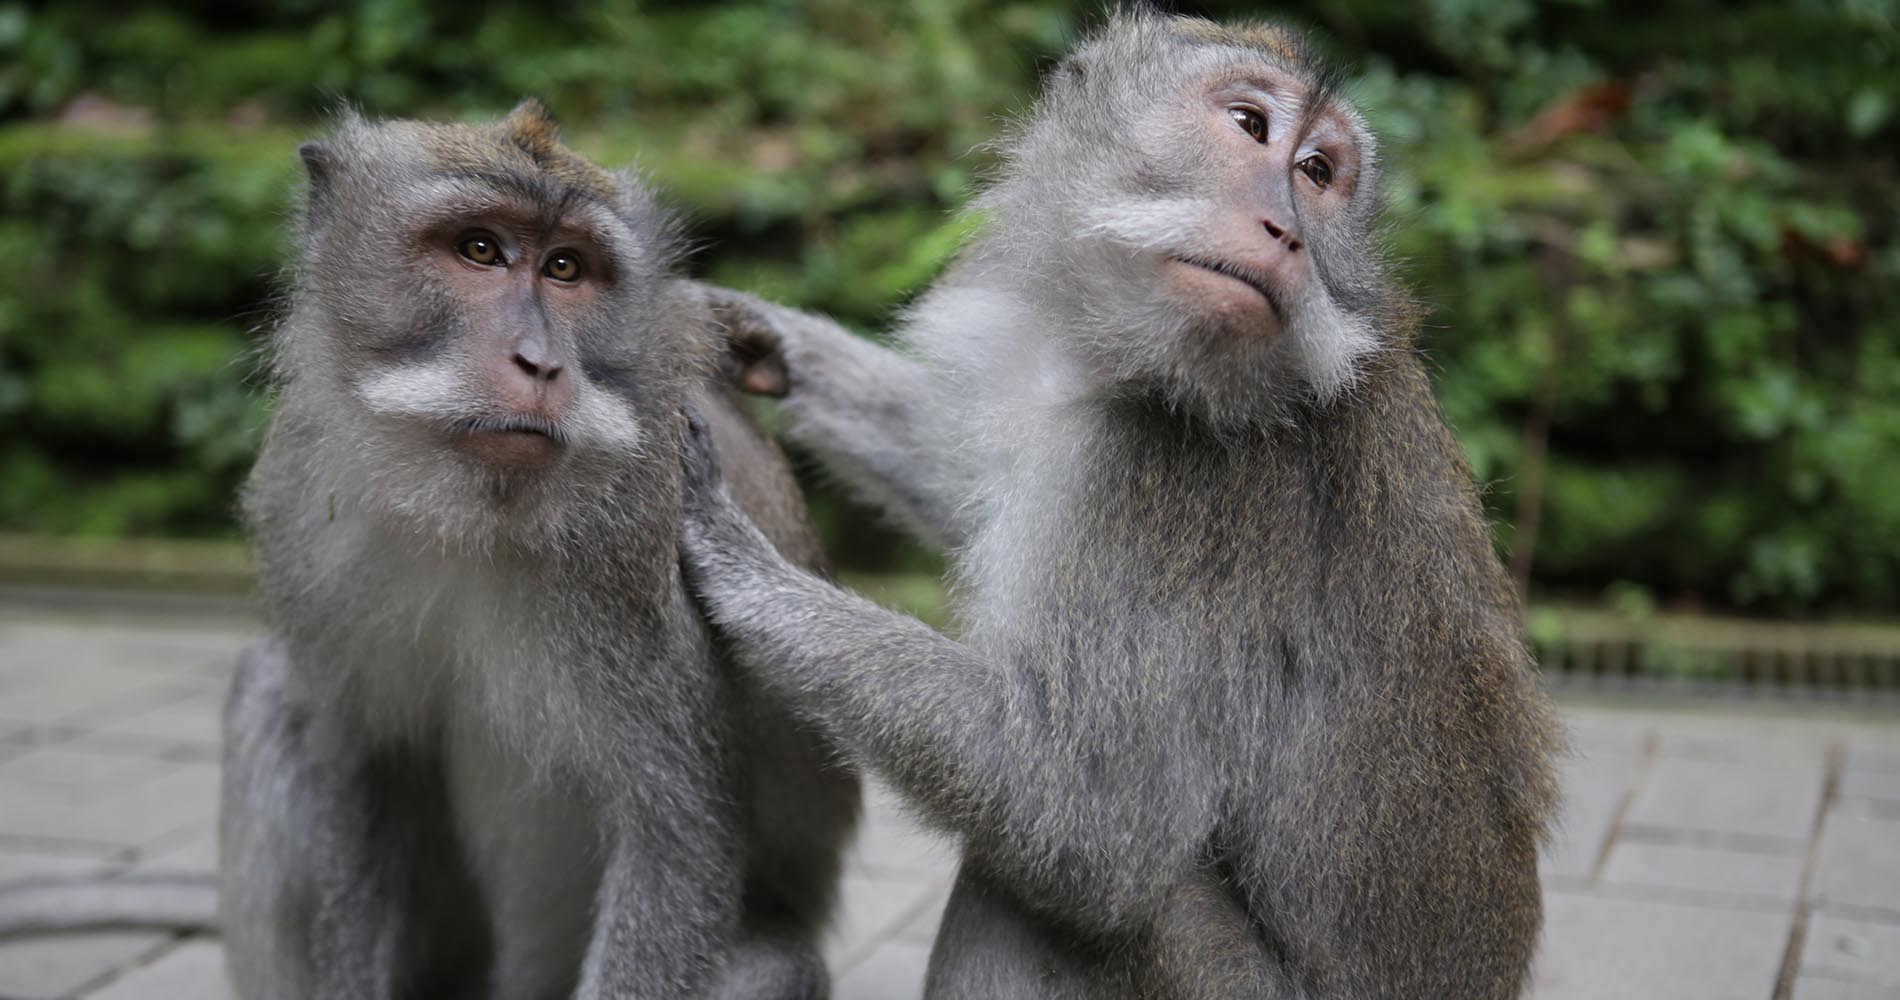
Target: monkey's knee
[
  {"x": 990, "y": 947},
  {"x": 773, "y": 967}
]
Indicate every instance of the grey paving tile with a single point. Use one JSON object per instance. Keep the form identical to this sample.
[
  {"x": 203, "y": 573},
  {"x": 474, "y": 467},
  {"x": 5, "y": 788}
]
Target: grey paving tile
[
  {"x": 194, "y": 970},
  {"x": 1771, "y": 802},
  {"x": 1705, "y": 870},
  {"x": 1864, "y": 783},
  {"x": 195, "y": 850},
  {"x": 194, "y": 716},
  {"x": 65, "y": 767},
  {"x": 46, "y": 695},
  {"x": 179, "y": 799},
  {"x": 1598, "y": 947},
  {"x": 1597, "y": 731},
  {"x": 923, "y": 928},
  {"x": 20, "y": 862},
  {"x": 1852, "y": 950},
  {"x": 874, "y": 909},
  {"x": 1594, "y": 789},
  {"x": 1746, "y": 738},
  {"x": 1858, "y": 862},
  {"x": 895, "y": 971},
  {"x": 32, "y": 968},
  {"x": 1817, "y": 988},
  {"x": 1874, "y": 750}
]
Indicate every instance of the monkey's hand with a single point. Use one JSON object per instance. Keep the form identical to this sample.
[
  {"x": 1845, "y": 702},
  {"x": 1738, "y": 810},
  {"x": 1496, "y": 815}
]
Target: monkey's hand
[
  {"x": 720, "y": 547},
  {"x": 754, "y": 359}
]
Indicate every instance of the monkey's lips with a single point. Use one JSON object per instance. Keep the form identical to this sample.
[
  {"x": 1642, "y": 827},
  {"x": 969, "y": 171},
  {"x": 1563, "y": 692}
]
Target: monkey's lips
[
  {"x": 513, "y": 441},
  {"x": 1223, "y": 286}
]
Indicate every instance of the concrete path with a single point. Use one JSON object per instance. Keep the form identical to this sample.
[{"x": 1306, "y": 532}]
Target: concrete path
[{"x": 1706, "y": 854}]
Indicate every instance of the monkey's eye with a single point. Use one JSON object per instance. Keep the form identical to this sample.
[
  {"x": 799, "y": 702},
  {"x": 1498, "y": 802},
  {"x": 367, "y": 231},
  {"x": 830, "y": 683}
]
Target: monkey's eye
[
  {"x": 562, "y": 266},
  {"x": 1251, "y": 122},
  {"x": 481, "y": 248},
  {"x": 1317, "y": 169}
]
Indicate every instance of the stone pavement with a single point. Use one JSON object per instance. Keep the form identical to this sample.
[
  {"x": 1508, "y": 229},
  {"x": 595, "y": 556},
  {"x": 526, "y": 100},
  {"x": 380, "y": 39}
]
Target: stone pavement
[{"x": 1706, "y": 853}]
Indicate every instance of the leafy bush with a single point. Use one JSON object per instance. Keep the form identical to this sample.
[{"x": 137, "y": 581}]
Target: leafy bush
[{"x": 1659, "y": 239}]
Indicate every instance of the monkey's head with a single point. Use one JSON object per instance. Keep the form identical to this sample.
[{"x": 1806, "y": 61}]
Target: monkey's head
[
  {"x": 486, "y": 323},
  {"x": 1199, "y": 209}
]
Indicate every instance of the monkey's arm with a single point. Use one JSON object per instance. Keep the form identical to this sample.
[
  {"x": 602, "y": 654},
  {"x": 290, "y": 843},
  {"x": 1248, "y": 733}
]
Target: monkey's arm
[
  {"x": 871, "y": 415},
  {"x": 311, "y": 880},
  {"x": 1100, "y": 836}
]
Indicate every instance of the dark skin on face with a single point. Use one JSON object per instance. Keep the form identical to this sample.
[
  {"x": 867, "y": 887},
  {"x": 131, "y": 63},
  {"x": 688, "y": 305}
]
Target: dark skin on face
[
  {"x": 524, "y": 286},
  {"x": 1274, "y": 163}
]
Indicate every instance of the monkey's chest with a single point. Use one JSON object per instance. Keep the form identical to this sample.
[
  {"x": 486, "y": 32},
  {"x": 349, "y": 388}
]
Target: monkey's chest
[{"x": 529, "y": 836}]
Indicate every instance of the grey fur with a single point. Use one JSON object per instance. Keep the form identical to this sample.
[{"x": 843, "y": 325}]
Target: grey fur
[
  {"x": 491, "y": 748},
  {"x": 1242, "y": 705}
]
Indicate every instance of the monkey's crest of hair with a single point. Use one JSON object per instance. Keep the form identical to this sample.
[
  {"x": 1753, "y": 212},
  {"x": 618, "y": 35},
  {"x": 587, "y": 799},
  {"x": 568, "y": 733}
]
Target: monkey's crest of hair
[{"x": 531, "y": 130}]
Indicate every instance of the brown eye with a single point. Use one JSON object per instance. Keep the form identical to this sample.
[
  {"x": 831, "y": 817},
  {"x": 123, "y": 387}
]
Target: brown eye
[
  {"x": 1251, "y": 122},
  {"x": 1317, "y": 169},
  {"x": 563, "y": 266},
  {"x": 480, "y": 248}
]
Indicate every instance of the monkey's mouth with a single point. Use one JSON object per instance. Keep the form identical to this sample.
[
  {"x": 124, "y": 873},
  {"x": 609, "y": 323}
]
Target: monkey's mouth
[
  {"x": 1252, "y": 278},
  {"x": 517, "y": 441},
  {"x": 520, "y": 423}
]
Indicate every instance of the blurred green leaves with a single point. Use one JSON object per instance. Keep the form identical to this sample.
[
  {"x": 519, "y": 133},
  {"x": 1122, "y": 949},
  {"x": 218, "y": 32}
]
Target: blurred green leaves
[{"x": 1659, "y": 239}]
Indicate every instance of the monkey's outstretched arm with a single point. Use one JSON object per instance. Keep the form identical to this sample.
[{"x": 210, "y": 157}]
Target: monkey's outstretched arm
[
  {"x": 870, "y": 414},
  {"x": 946, "y": 725}
]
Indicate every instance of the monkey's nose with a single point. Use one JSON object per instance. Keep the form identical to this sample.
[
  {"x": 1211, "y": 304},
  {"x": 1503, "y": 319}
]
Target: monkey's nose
[
  {"x": 540, "y": 369},
  {"x": 1281, "y": 233}
]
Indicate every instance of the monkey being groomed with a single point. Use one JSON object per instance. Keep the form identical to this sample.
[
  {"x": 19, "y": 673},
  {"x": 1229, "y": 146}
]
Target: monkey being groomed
[
  {"x": 1242, "y": 706},
  {"x": 490, "y": 748}
]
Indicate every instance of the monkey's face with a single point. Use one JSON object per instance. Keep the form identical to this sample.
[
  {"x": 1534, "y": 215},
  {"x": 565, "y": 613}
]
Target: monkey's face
[
  {"x": 1216, "y": 229},
  {"x": 494, "y": 338}
]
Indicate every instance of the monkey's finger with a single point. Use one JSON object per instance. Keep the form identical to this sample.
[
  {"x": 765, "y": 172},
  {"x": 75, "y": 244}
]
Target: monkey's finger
[
  {"x": 699, "y": 456},
  {"x": 765, "y": 376}
]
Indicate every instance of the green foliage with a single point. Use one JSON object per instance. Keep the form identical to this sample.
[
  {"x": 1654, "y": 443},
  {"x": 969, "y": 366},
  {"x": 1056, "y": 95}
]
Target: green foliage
[{"x": 1659, "y": 239}]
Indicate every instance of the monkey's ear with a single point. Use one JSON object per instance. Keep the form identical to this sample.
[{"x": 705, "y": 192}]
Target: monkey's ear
[{"x": 319, "y": 161}]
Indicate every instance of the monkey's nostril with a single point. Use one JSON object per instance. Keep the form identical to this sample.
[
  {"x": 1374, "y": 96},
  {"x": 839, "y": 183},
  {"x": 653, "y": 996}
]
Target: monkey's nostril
[{"x": 537, "y": 370}]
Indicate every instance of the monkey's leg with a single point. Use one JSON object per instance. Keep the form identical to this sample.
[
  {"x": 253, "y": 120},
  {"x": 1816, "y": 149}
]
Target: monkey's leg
[
  {"x": 873, "y": 416},
  {"x": 989, "y": 946},
  {"x": 772, "y": 963},
  {"x": 312, "y": 876},
  {"x": 668, "y": 899}
]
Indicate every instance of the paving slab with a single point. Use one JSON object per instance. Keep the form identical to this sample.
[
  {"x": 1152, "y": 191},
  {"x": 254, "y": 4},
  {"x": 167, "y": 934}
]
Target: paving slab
[
  {"x": 1816, "y": 988},
  {"x": 1706, "y": 871},
  {"x": 1858, "y": 863},
  {"x": 874, "y": 909},
  {"x": 1866, "y": 783},
  {"x": 1730, "y": 738},
  {"x": 64, "y": 767},
  {"x": 1852, "y": 950},
  {"x": 1775, "y": 803},
  {"x": 895, "y": 971},
  {"x": 1595, "y": 789},
  {"x": 47, "y": 967},
  {"x": 180, "y": 798},
  {"x": 1599, "y": 947},
  {"x": 193, "y": 970}
]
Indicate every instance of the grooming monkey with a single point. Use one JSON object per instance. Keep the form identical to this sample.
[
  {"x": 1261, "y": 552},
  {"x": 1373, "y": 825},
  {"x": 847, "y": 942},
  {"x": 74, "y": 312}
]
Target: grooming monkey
[
  {"x": 491, "y": 748},
  {"x": 1242, "y": 706}
]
